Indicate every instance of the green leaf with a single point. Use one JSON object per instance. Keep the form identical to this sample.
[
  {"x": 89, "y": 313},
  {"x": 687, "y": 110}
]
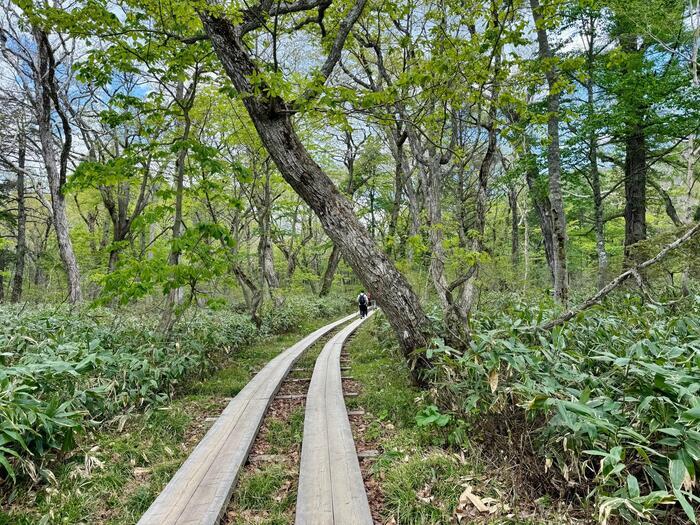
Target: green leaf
[
  {"x": 7, "y": 466},
  {"x": 693, "y": 414},
  {"x": 687, "y": 507},
  {"x": 677, "y": 472},
  {"x": 632, "y": 486}
]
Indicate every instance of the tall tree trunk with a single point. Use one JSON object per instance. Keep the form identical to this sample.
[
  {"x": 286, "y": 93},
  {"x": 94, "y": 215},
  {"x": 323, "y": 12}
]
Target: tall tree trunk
[
  {"x": 21, "y": 251},
  {"x": 402, "y": 187},
  {"x": 598, "y": 216},
  {"x": 56, "y": 171},
  {"x": 526, "y": 244},
  {"x": 272, "y": 120},
  {"x": 470, "y": 291},
  {"x": 175, "y": 294},
  {"x": 635, "y": 163},
  {"x": 690, "y": 202},
  {"x": 599, "y": 223},
  {"x": 559, "y": 235},
  {"x": 396, "y": 204}
]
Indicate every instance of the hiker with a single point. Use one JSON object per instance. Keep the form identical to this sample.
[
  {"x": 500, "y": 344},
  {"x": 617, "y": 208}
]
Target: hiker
[
  {"x": 369, "y": 300},
  {"x": 362, "y": 303}
]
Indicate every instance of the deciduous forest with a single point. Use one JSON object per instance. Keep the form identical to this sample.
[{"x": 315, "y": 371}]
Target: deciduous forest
[{"x": 188, "y": 188}]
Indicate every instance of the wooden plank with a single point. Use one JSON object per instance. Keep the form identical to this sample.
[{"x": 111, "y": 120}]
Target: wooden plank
[
  {"x": 200, "y": 490},
  {"x": 331, "y": 490}
]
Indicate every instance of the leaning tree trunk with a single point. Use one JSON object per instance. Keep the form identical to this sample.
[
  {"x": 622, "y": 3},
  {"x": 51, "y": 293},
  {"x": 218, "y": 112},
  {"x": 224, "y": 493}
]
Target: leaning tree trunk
[
  {"x": 21, "y": 251},
  {"x": 272, "y": 120},
  {"x": 55, "y": 172}
]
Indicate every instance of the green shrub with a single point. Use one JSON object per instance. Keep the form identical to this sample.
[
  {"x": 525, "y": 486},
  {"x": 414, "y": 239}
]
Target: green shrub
[
  {"x": 612, "y": 397},
  {"x": 63, "y": 370}
]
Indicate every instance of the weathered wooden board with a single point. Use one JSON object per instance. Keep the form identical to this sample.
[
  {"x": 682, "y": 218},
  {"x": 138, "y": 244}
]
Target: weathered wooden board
[
  {"x": 200, "y": 490},
  {"x": 331, "y": 490}
]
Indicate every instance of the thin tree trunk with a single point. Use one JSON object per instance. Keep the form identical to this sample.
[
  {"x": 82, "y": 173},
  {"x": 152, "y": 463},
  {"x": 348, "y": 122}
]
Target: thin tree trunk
[
  {"x": 514, "y": 227},
  {"x": 526, "y": 244},
  {"x": 55, "y": 171},
  {"x": 273, "y": 123},
  {"x": 559, "y": 236},
  {"x": 396, "y": 204},
  {"x": 21, "y": 251},
  {"x": 266, "y": 263},
  {"x": 690, "y": 203},
  {"x": 543, "y": 207},
  {"x": 470, "y": 291},
  {"x": 599, "y": 223},
  {"x": 331, "y": 268},
  {"x": 3, "y": 265},
  {"x": 175, "y": 294}
]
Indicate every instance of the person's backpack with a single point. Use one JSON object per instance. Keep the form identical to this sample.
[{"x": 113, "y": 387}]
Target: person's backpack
[{"x": 363, "y": 299}]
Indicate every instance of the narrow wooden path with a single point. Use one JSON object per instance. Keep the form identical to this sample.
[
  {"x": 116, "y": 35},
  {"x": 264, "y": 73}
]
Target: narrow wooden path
[
  {"x": 331, "y": 490},
  {"x": 200, "y": 490}
]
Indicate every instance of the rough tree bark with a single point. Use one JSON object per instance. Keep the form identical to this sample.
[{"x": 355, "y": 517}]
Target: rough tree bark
[
  {"x": 21, "y": 250},
  {"x": 272, "y": 119},
  {"x": 559, "y": 236},
  {"x": 635, "y": 168},
  {"x": 56, "y": 170},
  {"x": 635, "y": 188}
]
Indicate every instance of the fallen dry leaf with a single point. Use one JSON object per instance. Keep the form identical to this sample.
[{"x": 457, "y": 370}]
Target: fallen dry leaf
[
  {"x": 493, "y": 380},
  {"x": 141, "y": 472},
  {"x": 424, "y": 494},
  {"x": 469, "y": 496}
]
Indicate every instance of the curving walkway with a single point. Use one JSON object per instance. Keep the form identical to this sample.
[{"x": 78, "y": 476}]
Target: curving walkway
[
  {"x": 200, "y": 490},
  {"x": 331, "y": 490}
]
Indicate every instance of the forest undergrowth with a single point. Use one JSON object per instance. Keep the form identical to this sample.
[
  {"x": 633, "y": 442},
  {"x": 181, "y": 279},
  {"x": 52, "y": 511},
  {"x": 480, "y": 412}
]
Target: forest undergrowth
[
  {"x": 602, "y": 411},
  {"x": 74, "y": 379}
]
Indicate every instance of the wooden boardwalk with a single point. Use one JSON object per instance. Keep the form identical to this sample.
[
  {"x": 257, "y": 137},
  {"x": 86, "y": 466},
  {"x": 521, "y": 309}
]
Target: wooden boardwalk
[
  {"x": 200, "y": 490},
  {"x": 331, "y": 490}
]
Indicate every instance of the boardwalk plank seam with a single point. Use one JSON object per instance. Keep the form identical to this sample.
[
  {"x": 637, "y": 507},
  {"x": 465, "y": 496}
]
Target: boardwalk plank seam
[
  {"x": 331, "y": 490},
  {"x": 200, "y": 490}
]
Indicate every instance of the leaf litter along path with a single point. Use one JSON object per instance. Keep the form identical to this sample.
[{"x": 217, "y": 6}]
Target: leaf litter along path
[{"x": 200, "y": 491}]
